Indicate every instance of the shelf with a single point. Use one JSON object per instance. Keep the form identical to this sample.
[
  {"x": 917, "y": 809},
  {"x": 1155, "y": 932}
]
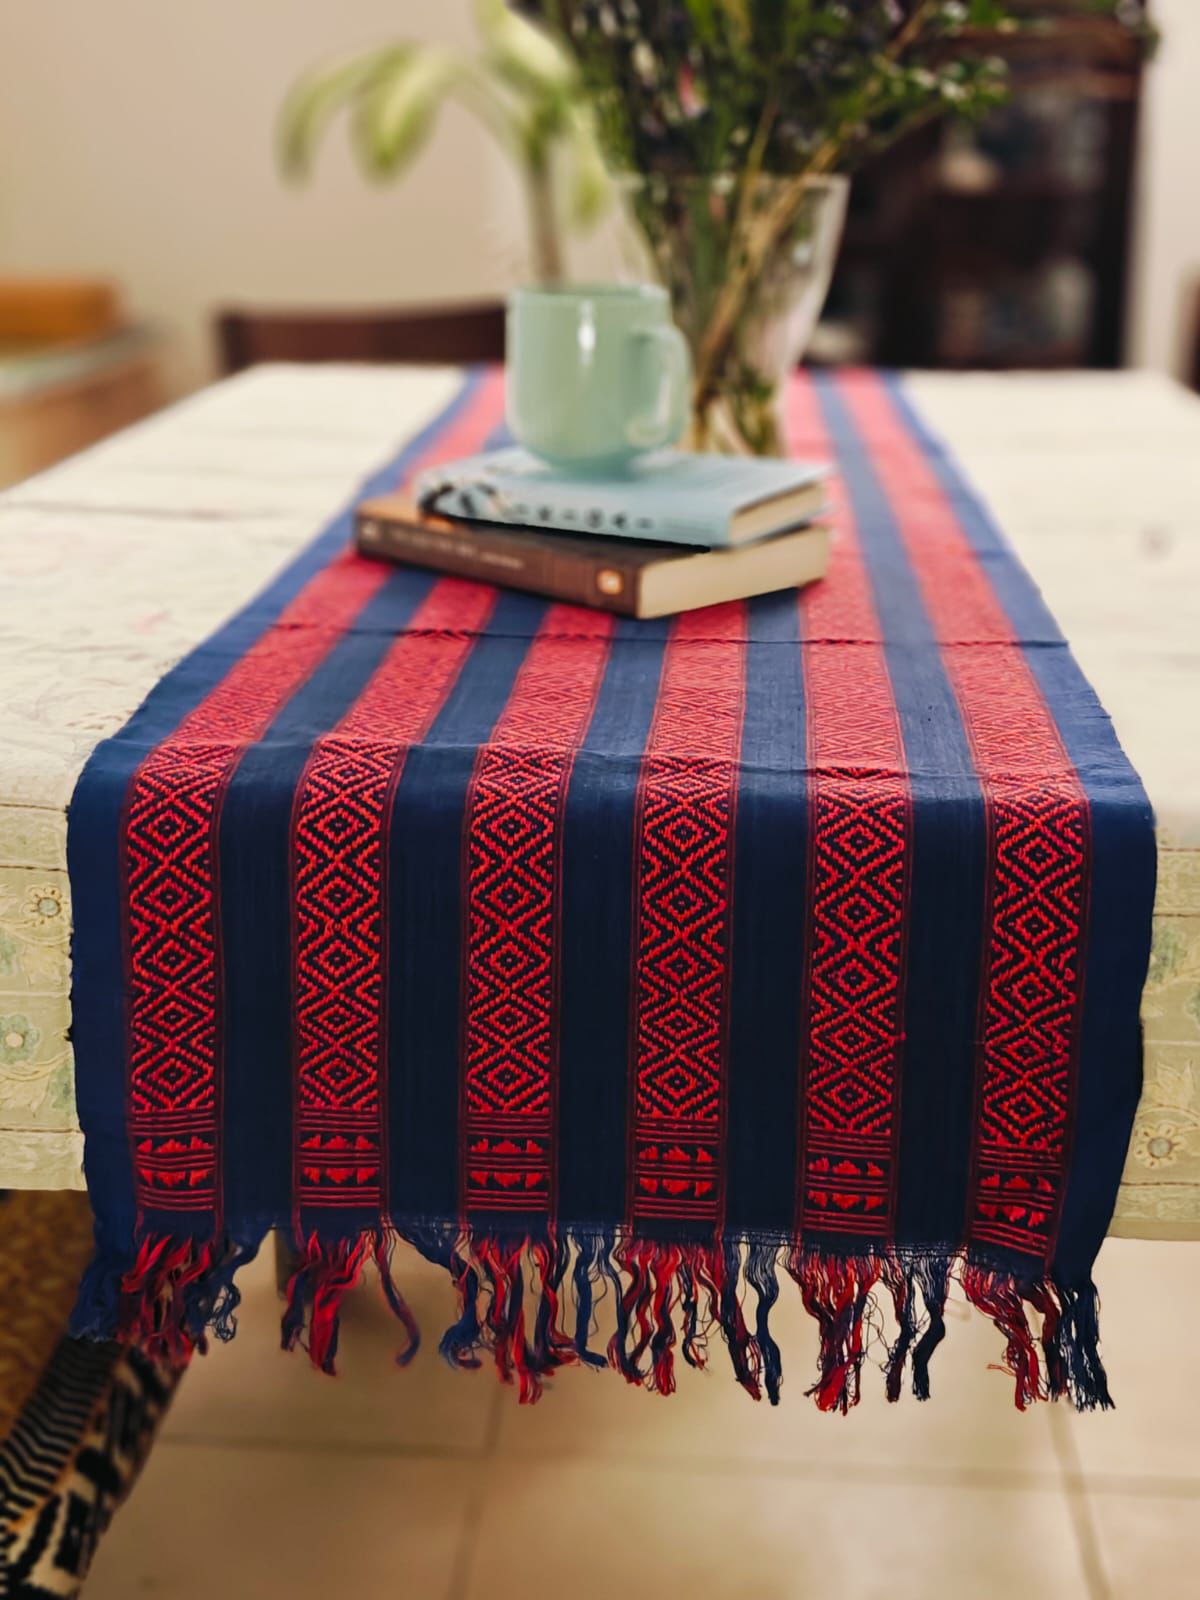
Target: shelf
[{"x": 1021, "y": 189}]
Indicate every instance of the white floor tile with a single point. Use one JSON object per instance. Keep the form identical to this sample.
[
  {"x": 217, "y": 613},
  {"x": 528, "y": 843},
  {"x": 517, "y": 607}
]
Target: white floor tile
[
  {"x": 1149, "y": 1318},
  {"x": 609, "y": 1530},
  {"x": 1149, "y": 1545},
  {"x": 255, "y": 1524}
]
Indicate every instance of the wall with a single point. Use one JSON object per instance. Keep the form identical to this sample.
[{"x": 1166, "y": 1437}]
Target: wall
[
  {"x": 1166, "y": 274},
  {"x": 136, "y": 141}
]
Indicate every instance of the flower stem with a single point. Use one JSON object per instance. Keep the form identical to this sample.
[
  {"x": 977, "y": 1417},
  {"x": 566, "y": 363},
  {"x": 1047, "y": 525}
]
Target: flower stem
[
  {"x": 543, "y": 218},
  {"x": 766, "y": 231}
]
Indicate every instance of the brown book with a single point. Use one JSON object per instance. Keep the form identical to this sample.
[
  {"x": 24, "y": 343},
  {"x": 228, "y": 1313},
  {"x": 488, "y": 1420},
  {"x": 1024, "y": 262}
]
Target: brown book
[
  {"x": 37, "y": 311},
  {"x": 629, "y": 576}
]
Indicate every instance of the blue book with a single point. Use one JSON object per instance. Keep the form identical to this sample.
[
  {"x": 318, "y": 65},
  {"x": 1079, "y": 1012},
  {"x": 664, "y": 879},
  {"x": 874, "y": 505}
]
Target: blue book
[{"x": 667, "y": 497}]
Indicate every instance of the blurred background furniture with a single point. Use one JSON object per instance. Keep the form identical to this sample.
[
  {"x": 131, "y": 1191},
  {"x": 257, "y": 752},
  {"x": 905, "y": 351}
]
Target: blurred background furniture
[
  {"x": 1004, "y": 245},
  {"x": 73, "y": 368},
  {"x": 458, "y": 334}
]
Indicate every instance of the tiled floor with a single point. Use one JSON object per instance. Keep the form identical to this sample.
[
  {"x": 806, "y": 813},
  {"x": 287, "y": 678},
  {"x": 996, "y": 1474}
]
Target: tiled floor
[{"x": 272, "y": 1480}]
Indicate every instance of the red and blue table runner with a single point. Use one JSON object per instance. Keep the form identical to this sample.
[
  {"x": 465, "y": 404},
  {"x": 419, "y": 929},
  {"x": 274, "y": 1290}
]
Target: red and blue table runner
[{"x": 798, "y": 939}]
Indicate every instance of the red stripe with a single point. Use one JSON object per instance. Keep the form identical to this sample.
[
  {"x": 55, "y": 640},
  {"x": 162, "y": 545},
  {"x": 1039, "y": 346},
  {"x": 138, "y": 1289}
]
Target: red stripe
[
  {"x": 860, "y": 852},
  {"x": 340, "y": 886},
  {"x": 684, "y": 881},
  {"x": 1038, "y": 848},
  {"x": 514, "y": 888},
  {"x": 170, "y": 869}
]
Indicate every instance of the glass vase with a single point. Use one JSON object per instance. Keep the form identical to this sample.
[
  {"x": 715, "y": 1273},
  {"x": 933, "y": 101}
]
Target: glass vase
[{"x": 695, "y": 233}]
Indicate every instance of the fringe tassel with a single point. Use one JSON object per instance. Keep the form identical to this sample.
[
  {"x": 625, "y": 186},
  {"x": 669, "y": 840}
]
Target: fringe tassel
[
  {"x": 1077, "y": 1350},
  {"x": 933, "y": 1279},
  {"x": 530, "y": 1303},
  {"x": 398, "y": 1305},
  {"x": 167, "y": 1299},
  {"x": 461, "y": 1339},
  {"x": 325, "y": 1273},
  {"x": 837, "y": 1292},
  {"x": 506, "y": 1318},
  {"x": 552, "y": 1346},
  {"x": 745, "y": 1354},
  {"x": 762, "y": 1277},
  {"x": 634, "y": 1303},
  {"x": 901, "y": 1285},
  {"x": 707, "y": 1301},
  {"x": 918, "y": 1290},
  {"x": 1000, "y": 1298},
  {"x": 587, "y": 1273}
]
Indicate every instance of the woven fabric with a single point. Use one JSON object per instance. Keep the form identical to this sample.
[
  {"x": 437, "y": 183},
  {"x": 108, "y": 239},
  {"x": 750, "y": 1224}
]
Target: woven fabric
[{"x": 805, "y": 931}]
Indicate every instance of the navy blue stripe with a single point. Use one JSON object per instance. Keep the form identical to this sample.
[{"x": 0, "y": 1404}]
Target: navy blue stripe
[
  {"x": 769, "y": 920},
  {"x": 94, "y": 855},
  {"x": 1123, "y": 869},
  {"x": 425, "y": 898},
  {"x": 948, "y": 867},
  {"x": 597, "y": 929}
]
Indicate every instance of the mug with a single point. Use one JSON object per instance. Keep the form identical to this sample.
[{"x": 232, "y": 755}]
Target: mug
[{"x": 595, "y": 374}]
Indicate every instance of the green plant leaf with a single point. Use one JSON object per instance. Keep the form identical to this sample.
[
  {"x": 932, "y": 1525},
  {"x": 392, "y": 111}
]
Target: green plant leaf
[
  {"x": 319, "y": 95},
  {"x": 522, "y": 54},
  {"x": 396, "y": 115},
  {"x": 738, "y": 13},
  {"x": 590, "y": 189},
  {"x": 703, "y": 18}
]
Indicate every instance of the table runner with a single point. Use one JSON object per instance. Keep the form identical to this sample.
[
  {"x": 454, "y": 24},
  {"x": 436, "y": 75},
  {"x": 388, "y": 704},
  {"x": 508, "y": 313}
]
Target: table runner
[{"x": 642, "y": 957}]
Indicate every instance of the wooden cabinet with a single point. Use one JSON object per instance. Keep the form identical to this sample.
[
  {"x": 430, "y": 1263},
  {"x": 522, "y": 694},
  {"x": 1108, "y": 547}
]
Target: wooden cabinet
[{"x": 1004, "y": 245}]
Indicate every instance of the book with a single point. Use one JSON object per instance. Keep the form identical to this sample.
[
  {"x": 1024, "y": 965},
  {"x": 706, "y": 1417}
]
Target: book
[
  {"x": 632, "y": 577},
  {"x": 35, "y": 311},
  {"x": 666, "y": 496}
]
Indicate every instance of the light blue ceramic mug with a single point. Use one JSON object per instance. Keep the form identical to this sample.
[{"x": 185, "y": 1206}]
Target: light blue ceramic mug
[{"x": 596, "y": 374}]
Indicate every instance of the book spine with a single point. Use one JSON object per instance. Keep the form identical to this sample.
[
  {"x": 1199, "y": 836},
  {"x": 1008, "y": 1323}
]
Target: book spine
[{"x": 488, "y": 558}]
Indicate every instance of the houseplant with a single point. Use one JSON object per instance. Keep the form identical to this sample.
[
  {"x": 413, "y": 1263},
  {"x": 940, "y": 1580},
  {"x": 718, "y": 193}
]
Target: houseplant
[
  {"x": 520, "y": 85},
  {"x": 735, "y": 124}
]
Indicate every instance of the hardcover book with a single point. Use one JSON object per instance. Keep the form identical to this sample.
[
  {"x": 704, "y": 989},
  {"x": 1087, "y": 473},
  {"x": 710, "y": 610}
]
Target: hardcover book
[
  {"x": 632, "y": 577},
  {"x": 667, "y": 496}
]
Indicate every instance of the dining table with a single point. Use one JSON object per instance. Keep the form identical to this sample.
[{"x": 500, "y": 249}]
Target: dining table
[{"x": 116, "y": 563}]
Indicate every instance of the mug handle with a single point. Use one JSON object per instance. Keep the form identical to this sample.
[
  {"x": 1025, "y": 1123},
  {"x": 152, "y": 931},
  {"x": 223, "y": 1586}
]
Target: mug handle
[{"x": 654, "y": 424}]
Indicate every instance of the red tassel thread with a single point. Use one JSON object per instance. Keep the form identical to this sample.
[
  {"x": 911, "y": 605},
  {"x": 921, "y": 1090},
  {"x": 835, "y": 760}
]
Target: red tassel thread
[
  {"x": 997, "y": 1295},
  {"x": 154, "y": 1295},
  {"x": 836, "y": 1293}
]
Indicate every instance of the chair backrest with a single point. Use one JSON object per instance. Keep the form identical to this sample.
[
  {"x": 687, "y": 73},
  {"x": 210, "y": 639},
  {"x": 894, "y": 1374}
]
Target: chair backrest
[{"x": 456, "y": 334}]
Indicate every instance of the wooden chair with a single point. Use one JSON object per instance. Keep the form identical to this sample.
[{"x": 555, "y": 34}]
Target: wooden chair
[{"x": 454, "y": 334}]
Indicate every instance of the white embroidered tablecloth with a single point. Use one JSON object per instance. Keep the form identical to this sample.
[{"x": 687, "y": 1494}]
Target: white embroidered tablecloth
[{"x": 115, "y": 564}]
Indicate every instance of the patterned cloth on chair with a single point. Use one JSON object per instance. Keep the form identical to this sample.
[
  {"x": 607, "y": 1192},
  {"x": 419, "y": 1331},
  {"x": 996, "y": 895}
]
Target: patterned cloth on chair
[{"x": 76, "y": 1418}]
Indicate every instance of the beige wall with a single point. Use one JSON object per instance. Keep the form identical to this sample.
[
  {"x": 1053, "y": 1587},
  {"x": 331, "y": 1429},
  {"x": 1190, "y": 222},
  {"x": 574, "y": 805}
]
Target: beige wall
[
  {"x": 1167, "y": 254},
  {"x": 136, "y": 140}
]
